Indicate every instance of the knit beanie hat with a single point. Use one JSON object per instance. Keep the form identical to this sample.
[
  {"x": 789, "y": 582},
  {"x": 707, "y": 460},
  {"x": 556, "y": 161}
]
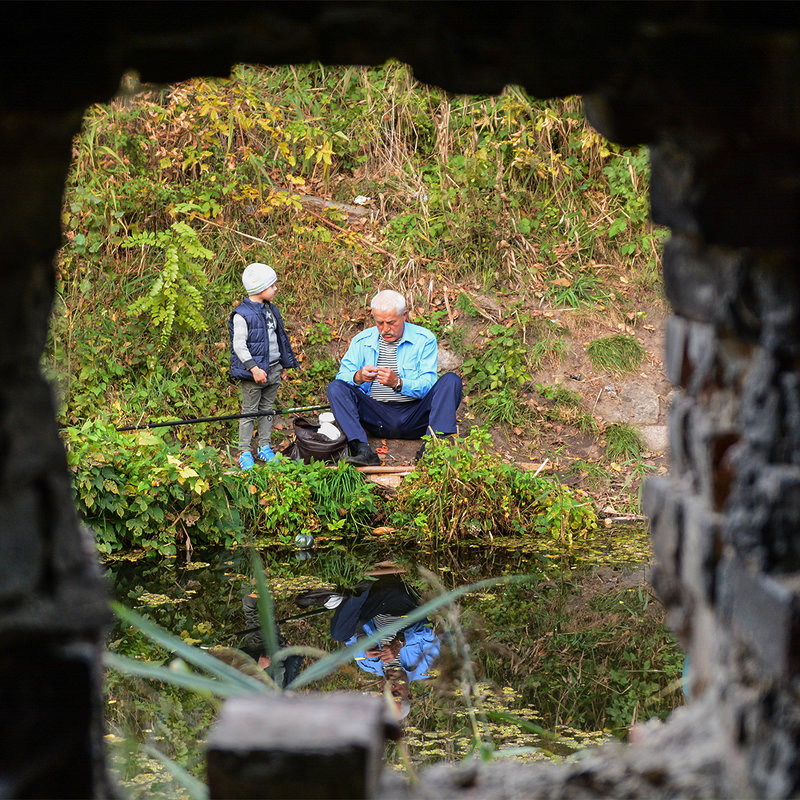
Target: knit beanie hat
[{"x": 257, "y": 277}]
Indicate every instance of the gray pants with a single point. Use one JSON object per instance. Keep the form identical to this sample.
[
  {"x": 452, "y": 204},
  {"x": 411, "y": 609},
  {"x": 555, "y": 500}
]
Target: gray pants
[{"x": 259, "y": 397}]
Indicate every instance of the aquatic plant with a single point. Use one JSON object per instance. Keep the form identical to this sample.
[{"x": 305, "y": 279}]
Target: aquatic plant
[{"x": 592, "y": 656}]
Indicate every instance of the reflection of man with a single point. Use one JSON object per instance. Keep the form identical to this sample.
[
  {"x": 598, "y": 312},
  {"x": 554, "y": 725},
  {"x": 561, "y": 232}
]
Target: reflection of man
[
  {"x": 399, "y": 659},
  {"x": 387, "y": 383}
]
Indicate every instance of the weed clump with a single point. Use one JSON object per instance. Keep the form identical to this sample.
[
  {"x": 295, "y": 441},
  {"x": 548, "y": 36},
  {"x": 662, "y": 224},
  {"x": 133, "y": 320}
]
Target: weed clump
[
  {"x": 618, "y": 355},
  {"x": 567, "y": 406},
  {"x": 292, "y": 498},
  {"x": 624, "y": 442},
  {"x": 464, "y": 490}
]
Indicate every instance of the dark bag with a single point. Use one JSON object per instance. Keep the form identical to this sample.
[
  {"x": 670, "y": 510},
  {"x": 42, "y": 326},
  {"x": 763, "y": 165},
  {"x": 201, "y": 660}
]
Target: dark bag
[{"x": 309, "y": 445}]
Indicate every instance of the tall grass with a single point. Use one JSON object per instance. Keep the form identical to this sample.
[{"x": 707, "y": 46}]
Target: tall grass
[{"x": 617, "y": 355}]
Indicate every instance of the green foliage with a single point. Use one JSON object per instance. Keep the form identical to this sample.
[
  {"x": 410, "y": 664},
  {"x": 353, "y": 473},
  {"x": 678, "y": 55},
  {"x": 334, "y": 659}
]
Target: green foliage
[
  {"x": 549, "y": 345},
  {"x": 581, "y": 290},
  {"x": 145, "y": 726},
  {"x": 560, "y": 395},
  {"x": 595, "y": 475},
  {"x": 468, "y": 194},
  {"x": 435, "y": 321},
  {"x": 495, "y": 371},
  {"x": 320, "y": 333},
  {"x": 289, "y": 498},
  {"x": 137, "y": 490},
  {"x": 175, "y": 296},
  {"x": 624, "y": 442},
  {"x": 463, "y": 489},
  {"x": 617, "y": 355},
  {"x": 466, "y": 306}
]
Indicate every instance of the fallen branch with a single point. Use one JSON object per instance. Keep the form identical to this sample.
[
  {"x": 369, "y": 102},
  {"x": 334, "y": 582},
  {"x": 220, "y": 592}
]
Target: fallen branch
[
  {"x": 386, "y": 470},
  {"x": 339, "y": 228}
]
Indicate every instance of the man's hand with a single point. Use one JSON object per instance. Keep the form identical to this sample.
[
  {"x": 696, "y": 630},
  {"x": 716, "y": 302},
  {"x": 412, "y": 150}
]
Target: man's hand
[
  {"x": 388, "y": 377},
  {"x": 366, "y": 374},
  {"x": 259, "y": 376},
  {"x": 389, "y": 651}
]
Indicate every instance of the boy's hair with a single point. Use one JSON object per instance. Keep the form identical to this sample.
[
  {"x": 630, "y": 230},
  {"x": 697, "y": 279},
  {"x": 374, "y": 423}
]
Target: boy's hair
[
  {"x": 388, "y": 300},
  {"x": 257, "y": 277}
]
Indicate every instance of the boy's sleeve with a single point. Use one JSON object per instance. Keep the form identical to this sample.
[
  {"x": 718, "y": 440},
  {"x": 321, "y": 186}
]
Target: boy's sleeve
[{"x": 240, "y": 341}]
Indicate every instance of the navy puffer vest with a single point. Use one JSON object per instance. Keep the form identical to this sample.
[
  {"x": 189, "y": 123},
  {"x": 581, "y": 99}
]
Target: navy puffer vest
[{"x": 258, "y": 339}]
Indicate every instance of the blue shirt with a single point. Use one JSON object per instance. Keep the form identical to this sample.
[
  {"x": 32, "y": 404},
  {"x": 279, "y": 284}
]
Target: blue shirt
[
  {"x": 418, "y": 653},
  {"x": 417, "y": 359}
]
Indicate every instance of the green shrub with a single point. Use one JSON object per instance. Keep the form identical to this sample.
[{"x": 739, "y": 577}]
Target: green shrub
[
  {"x": 463, "y": 489},
  {"x": 138, "y": 490},
  {"x": 549, "y": 345},
  {"x": 496, "y": 371},
  {"x": 290, "y": 498},
  {"x": 175, "y": 298}
]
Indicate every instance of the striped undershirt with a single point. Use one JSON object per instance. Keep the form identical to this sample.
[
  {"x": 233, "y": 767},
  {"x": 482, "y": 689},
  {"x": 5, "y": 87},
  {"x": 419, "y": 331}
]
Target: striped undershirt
[
  {"x": 387, "y": 357},
  {"x": 381, "y": 621}
]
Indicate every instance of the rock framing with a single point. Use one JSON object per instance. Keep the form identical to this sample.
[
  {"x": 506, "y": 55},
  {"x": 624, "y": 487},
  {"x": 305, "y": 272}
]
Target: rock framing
[{"x": 713, "y": 89}]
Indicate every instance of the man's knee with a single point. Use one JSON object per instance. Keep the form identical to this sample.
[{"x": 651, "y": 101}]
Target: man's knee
[
  {"x": 338, "y": 389},
  {"x": 450, "y": 384}
]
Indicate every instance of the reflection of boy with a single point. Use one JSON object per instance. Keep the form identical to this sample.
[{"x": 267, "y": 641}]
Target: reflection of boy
[
  {"x": 260, "y": 355},
  {"x": 254, "y": 645}
]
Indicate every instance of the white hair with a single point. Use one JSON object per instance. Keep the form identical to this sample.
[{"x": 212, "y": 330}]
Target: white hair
[{"x": 388, "y": 300}]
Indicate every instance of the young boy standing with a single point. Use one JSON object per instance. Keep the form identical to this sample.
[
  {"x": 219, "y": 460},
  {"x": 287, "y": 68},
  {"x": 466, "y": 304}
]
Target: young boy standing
[{"x": 260, "y": 355}]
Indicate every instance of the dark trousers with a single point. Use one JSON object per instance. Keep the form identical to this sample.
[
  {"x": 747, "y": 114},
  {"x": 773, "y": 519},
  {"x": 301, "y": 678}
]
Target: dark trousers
[{"x": 357, "y": 412}]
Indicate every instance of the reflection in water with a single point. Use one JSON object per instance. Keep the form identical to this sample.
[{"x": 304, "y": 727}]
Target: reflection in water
[
  {"x": 521, "y": 654},
  {"x": 255, "y": 646},
  {"x": 367, "y": 607}
]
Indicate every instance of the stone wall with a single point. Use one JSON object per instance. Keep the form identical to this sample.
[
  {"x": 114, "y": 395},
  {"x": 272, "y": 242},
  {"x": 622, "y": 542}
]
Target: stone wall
[{"x": 713, "y": 88}]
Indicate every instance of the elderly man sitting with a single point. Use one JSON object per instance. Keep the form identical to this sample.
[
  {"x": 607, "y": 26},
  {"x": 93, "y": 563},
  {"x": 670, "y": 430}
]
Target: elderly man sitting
[{"x": 387, "y": 383}]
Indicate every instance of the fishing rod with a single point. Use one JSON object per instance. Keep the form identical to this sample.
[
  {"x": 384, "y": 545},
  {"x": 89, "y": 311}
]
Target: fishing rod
[
  {"x": 195, "y": 420},
  {"x": 304, "y": 615}
]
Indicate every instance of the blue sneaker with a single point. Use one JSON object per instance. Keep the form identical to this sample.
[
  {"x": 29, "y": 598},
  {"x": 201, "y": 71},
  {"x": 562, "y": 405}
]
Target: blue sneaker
[
  {"x": 265, "y": 453},
  {"x": 246, "y": 460}
]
